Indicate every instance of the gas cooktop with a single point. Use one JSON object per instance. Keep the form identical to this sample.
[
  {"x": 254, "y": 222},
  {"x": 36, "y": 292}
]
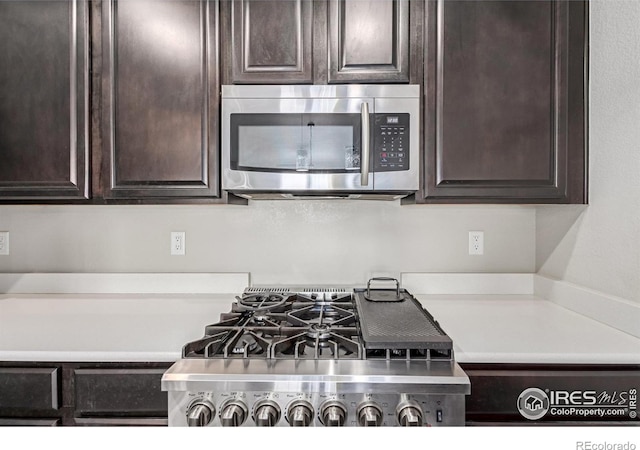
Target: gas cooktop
[
  {"x": 319, "y": 357},
  {"x": 322, "y": 323}
]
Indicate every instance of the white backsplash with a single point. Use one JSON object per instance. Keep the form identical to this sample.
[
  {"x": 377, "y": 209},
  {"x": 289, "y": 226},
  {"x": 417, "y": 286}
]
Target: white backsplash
[{"x": 278, "y": 242}]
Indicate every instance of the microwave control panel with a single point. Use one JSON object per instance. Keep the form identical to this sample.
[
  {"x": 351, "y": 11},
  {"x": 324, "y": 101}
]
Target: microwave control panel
[{"x": 390, "y": 150}]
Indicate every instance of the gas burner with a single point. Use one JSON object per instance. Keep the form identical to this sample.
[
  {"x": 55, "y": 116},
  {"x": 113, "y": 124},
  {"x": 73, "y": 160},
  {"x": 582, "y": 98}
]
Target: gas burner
[
  {"x": 319, "y": 343},
  {"x": 245, "y": 345},
  {"x": 320, "y": 331},
  {"x": 261, "y": 302},
  {"x": 319, "y": 334},
  {"x": 328, "y": 314}
]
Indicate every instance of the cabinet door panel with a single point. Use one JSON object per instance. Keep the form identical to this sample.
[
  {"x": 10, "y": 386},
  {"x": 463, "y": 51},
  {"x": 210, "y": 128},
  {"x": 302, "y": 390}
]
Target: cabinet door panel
[
  {"x": 43, "y": 100},
  {"x": 270, "y": 41},
  {"x": 369, "y": 41},
  {"x": 497, "y": 105},
  {"x": 28, "y": 388},
  {"x": 161, "y": 106},
  {"x": 120, "y": 392}
]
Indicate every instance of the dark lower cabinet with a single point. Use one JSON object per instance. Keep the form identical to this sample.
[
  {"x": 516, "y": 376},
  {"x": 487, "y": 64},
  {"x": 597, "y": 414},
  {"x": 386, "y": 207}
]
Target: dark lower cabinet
[
  {"x": 44, "y": 100},
  {"x": 30, "y": 388},
  {"x": 505, "y": 101},
  {"x": 552, "y": 394},
  {"x": 117, "y": 392},
  {"x": 129, "y": 394},
  {"x": 29, "y": 422},
  {"x": 82, "y": 394}
]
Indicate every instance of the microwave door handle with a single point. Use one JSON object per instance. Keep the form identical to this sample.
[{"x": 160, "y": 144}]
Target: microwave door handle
[{"x": 364, "y": 158}]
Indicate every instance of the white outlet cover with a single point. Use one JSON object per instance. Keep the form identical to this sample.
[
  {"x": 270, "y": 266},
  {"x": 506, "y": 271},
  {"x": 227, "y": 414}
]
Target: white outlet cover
[
  {"x": 178, "y": 243},
  {"x": 4, "y": 243},
  {"x": 476, "y": 242}
]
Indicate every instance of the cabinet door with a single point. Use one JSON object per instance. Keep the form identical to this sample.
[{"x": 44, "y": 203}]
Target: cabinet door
[
  {"x": 505, "y": 101},
  {"x": 127, "y": 393},
  {"x": 268, "y": 41},
  {"x": 160, "y": 99},
  {"x": 25, "y": 389},
  {"x": 43, "y": 100},
  {"x": 368, "y": 41}
]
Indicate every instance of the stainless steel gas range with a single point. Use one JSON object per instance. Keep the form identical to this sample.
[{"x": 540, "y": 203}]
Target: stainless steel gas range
[{"x": 319, "y": 357}]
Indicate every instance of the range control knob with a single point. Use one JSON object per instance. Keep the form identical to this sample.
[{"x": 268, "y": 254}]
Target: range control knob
[
  {"x": 369, "y": 414},
  {"x": 300, "y": 413},
  {"x": 266, "y": 413},
  {"x": 333, "y": 413},
  {"x": 200, "y": 414},
  {"x": 233, "y": 413},
  {"x": 409, "y": 414}
]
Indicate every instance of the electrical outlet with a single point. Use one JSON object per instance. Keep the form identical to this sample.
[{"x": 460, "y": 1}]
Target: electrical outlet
[
  {"x": 178, "y": 242},
  {"x": 4, "y": 242},
  {"x": 476, "y": 242}
]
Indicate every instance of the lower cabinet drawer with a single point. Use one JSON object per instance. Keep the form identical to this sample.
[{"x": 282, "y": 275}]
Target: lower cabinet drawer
[
  {"x": 119, "y": 393},
  {"x": 30, "y": 388},
  {"x": 121, "y": 422},
  {"x": 11, "y": 422}
]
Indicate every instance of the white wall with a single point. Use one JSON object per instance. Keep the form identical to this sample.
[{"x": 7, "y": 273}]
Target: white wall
[
  {"x": 341, "y": 242},
  {"x": 599, "y": 246}
]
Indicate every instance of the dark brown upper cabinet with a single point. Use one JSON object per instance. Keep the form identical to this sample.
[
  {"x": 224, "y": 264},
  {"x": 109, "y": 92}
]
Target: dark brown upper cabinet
[
  {"x": 322, "y": 41},
  {"x": 369, "y": 41},
  {"x": 505, "y": 101},
  {"x": 44, "y": 81},
  {"x": 268, "y": 41},
  {"x": 160, "y": 100}
]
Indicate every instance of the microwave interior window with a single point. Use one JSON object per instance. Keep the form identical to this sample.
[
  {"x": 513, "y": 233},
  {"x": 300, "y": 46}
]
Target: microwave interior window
[{"x": 295, "y": 142}]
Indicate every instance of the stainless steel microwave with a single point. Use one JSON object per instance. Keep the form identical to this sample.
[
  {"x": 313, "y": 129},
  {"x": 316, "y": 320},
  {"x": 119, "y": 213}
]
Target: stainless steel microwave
[{"x": 310, "y": 141}]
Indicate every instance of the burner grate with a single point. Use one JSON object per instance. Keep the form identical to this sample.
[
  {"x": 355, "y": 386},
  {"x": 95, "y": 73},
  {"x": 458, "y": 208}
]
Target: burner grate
[
  {"x": 274, "y": 325},
  {"x": 261, "y": 290},
  {"x": 282, "y": 323},
  {"x": 325, "y": 290}
]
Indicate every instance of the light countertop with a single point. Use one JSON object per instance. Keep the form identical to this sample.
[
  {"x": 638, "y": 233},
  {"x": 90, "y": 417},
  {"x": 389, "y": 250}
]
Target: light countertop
[
  {"x": 104, "y": 327},
  {"x": 141, "y": 327},
  {"x": 527, "y": 329}
]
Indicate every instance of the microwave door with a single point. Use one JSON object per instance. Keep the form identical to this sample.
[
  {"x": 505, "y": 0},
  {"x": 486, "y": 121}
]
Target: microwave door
[{"x": 316, "y": 145}]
